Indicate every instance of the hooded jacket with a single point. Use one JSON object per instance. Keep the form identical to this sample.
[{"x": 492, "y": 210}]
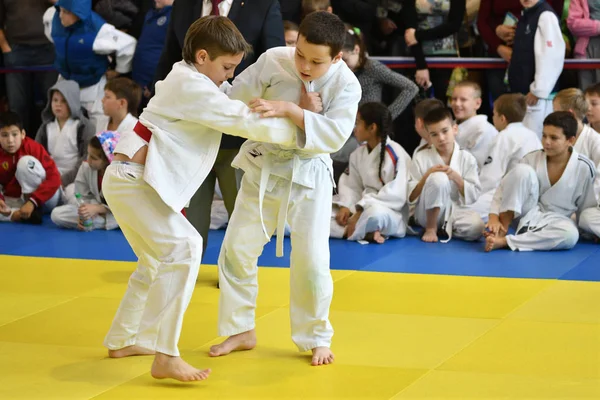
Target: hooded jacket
[
  {"x": 85, "y": 128},
  {"x": 75, "y": 56}
]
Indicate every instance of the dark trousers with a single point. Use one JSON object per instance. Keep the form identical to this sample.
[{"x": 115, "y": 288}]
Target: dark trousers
[{"x": 22, "y": 87}]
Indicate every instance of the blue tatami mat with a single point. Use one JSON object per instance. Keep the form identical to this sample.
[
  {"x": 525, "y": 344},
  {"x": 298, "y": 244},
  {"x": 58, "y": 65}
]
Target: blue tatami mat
[{"x": 397, "y": 255}]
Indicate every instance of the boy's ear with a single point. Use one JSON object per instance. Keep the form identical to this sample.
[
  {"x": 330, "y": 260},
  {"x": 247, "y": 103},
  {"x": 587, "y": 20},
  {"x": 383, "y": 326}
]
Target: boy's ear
[
  {"x": 23, "y": 133},
  {"x": 123, "y": 103},
  {"x": 478, "y": 102},
  {"x": 337, "y": 58},
  {"x": 201, "y": 56}
]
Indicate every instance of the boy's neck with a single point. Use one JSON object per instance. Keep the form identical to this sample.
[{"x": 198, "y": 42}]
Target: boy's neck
[
  {"x": 446, "y": 155},
  {"x": 580, "y": 127},
  {"x": 117, "y": 118},
  {"x": 559, "y": 159},
  {"x": 596, "y": 126},
  {"x": 460, "y": 121}
]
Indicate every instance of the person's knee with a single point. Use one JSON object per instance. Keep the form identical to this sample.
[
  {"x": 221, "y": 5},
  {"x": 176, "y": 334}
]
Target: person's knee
[
  {"x": 437, "y": 180},
  {"x": 569, "y": 234},
  {"x": 30, "y": 174}
]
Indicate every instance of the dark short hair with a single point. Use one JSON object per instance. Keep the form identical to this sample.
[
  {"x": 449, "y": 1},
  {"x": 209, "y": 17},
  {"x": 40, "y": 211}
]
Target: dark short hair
[
  {"x": 512, "y": 105},
  {"x": 438, "y": 114},
  {"x": 215, "y": 34},
  {"x": 10, "y": 118},
  {"x": 563, "y": 120},
  {"x": 324, "y": 29},
  {"x": 425, "y": 106}
]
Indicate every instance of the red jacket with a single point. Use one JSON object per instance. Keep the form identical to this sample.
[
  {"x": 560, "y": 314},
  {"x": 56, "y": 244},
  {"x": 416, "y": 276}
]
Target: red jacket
[{"x": 8, "y": 168}]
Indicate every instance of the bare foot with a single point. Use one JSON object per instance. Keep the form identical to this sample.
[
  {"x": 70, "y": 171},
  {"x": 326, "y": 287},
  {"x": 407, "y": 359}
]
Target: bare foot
[
  {"x": 322, "y": 356},
  {"x": 242, "y": 341},
  {"x": 430, "y": 236},
  {"x": 495, "y": 242},
  {"x": 165, "y": 366},
  {"x": 375, "y": 237},
  {"x": 130, "y": 351}
]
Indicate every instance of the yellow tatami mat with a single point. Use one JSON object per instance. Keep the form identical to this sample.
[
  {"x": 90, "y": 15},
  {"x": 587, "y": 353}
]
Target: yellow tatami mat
[{"x": 398, "y": 336}]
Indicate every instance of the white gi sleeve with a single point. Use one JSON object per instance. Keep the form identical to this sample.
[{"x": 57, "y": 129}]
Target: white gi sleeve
[
  {"x": 392, "y": 195},
  {"x": 549, "y": 48},
  {"x": 588, "y": 199},
  {"x": 415, "y": 174},
  {"x": 470, "y": 175},
  {"x": 111, "y": 40}
]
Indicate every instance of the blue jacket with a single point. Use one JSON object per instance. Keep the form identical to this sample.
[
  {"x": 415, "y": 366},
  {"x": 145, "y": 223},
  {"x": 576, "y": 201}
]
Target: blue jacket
[
  {"x": 75, "y": 57},
  {"x": 150, "y": 46}
]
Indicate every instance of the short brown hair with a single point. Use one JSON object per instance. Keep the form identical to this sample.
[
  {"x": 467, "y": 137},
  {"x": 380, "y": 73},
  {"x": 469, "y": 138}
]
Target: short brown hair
[
  {"x": 309, "y": 6},
  {"x": 125, "y": 88},
  {"x": 425, "y": 106},
  {"x": 215, "y": 34},
  {"x": 512, "y": 105},
  {"x": 470, "y": 84},
  {"x": 573, "y": 99},
  {"x": 325, "y": 29},
  {"x": 437, "y": 115},
  {"x": 594, "y": 89}
]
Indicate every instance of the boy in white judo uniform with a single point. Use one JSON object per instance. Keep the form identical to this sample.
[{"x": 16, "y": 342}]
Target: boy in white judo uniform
[
  {"x": 475, "y": 133},
  {"x": 587, "y": 140},
  {"x": 543, "y": 192},
  {"x": 423, "y": 108},
  {"x": 443, "y": 179},
  {"x": 372, "y": 202},
  {"x": 289, "y": 183},
  {"x": 592, "y": 96},
  {"x": 508, "y": 148},
  {"x": 537, "y": 60},
  {"x": 156, "y": 169}
]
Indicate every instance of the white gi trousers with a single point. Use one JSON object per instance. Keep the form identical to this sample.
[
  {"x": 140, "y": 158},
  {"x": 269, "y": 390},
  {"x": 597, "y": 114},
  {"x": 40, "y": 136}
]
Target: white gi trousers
[
  {"x": 534, "y": 118},
  {"x": 466, "y": 224},
  {"x": 311, "y": 285},
  {"x": 169, "y": 252},
  {"x": 536, "y": 230},
  {"x": 67, "y": 216},
  {"x": 373, "y": 218},
  {"x": 589, "y": 221}
]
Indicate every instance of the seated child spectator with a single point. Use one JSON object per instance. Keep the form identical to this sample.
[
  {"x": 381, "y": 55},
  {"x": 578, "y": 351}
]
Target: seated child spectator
[
  {"x": 587, "y": 140},
  {"x": 290, "y": 30},
  {"x": 120, "y": 103},
  {"x": 443, "y": 179},
  {"x": 423, "y": 108},
  {"x": 89, "y": 185},
  {"x": 372, "y": 203},
  {"x": 83, "y": 43},
  {"x": 475, "y": 133},
  {"x": 65, "y": 131},
  {"x": 592, "y": 96},
  {"x": 150, "y": 45},
  {"x": 543, "y": 192},
  {"x": 512, "y": 143},
  {"x": 29, "y": 179}
]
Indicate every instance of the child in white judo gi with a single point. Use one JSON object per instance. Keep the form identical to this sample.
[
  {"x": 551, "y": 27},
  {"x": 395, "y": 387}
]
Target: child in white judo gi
[
  {"x": 475, "y": 133},
  {"x": 537, "y": 60},
  {"x": 592, "y": 96},
  {"x": 543, "y": 192},
  {"x": 444, "y": 179},
  {"x": 508, "y": 148},
  {"x": 372, "y": 202},
  {"x": 293, "y": 184},
  {"x": 423, "y": 108},
  {"x": 587, "y": 140},
  {"x": 88, "y": 184},
  {"x": 156, "y": 170}
]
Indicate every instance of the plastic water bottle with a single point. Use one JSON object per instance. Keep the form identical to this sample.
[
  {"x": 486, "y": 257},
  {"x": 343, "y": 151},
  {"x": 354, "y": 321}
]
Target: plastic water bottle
[{"x": 88, "y": 224}]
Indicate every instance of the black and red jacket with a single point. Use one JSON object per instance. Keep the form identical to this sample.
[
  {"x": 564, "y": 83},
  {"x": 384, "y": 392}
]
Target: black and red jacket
[{"x": 8, "y": 167}]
